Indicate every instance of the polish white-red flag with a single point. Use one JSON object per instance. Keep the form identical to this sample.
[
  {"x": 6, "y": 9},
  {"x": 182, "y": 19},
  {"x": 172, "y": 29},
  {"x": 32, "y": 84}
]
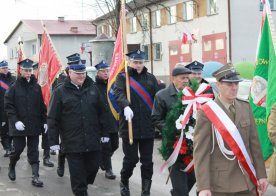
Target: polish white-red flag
[
  {"x": 188, "y": 38},
  {"x": 48, "y": 68}
]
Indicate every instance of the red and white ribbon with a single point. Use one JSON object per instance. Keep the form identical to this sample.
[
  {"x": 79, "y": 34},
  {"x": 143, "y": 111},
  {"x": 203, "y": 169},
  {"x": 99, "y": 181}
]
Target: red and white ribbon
[
  {"x": 193, "y": 100},
  {"x": 231, "y": 136}
]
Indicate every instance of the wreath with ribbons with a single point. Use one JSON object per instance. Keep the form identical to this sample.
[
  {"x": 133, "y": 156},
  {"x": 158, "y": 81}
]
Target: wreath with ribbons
[{"x": 177, "y": 135}]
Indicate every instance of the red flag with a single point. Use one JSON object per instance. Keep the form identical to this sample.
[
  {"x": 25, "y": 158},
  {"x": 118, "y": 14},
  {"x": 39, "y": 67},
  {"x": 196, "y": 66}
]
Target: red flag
[
  {"x": 20, "y": 57},
  {"x": 49, "y": 66},
  {"x": 188, "y": 38},
  {"x": 116, "y": 66},
  {"x": 185, "y": 38}
]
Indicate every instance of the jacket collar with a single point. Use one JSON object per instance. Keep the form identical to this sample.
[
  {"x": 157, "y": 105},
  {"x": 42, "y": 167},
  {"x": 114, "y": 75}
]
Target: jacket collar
[
  {"x": 133, "y": 71},
  {"x": 87, "y": 82},
  {"x": 172, "y": 89},
  {"x": 100, "y": 81}
]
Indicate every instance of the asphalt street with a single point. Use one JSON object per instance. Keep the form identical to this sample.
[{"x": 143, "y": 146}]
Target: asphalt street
[{"x": 57, "y": 186}]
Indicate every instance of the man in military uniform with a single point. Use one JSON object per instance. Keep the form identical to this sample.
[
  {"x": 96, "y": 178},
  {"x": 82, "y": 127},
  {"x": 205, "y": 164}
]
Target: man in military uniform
[
  {"x": 107, "y": 148},
  {"x": 227, "y": 153},
  {"x": 6, "y": 80},
  {"x": 78, "y": 115},
  {"x": 197, "y": 68},
  {"x": 44, "y": 144},
  {"x": 26, "y": 112},
  {"x": 143, "y": 88},
  {"x": 164, "y": 100}
]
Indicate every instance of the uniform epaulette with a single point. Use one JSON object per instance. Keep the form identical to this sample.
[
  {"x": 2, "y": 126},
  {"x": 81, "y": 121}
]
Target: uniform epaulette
[{"x": 244, "y": 100}]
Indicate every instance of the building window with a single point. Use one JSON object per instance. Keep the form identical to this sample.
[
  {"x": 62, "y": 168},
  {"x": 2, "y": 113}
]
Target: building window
[
  {"x": 133, "y": 25},
  {"x": 145, "y": 22},
  {"x": 157, "y": 18},
  {"x": 272, "y": 5},
  {"x": 99, "y": 30},
  {"x": 11, "y": 53},
  {"x": 189, "y": 10},
  {"x": 173, "y": 51},
  {"x": 185, "y": 48},
  {"x": 219, "y": 44},
  {"x": 172, "y": 15},
  {"x": 157, "y": 51},
  {"x": 33, "y": 49},
  {"x": 146, "y": 50},
  {"x": 109, "y": 31},
  {"x": 207, "y": 46},
  {"x": 212, "y": 7}
]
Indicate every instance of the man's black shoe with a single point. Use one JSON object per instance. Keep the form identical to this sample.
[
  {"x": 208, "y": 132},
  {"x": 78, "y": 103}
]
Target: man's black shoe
[
  {"x": 11, "y": 174},
  {"x": 36, "y": 182},
  {"x": 124, "y": 188},
  {"x": 60, "y": 171},
  {"x": 110, "y": 175},
  {"x": 7, "y": 154},
  {"x": 48, "y": 163}
]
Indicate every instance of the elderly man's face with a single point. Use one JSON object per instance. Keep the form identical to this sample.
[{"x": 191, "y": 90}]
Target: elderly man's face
[
  {"x": 228, "y": 91},
  {"x": 197, "y": 75},
  {"x": 180, "y": 81},
  {"x": 4, "y": 70},
  {"x": 103, "y": 74}
]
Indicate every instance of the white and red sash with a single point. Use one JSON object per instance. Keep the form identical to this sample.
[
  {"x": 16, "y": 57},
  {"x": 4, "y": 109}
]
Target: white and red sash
[{"x": 230, "y": 135}]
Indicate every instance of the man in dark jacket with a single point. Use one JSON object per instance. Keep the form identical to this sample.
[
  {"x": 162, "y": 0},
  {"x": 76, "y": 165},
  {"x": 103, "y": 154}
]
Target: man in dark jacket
[
  {"x": 143, "y": 88},
  {"x": 26, "y": 112},
  {"x": 6, "y": 80},
  {"x": 107, "y": 148},
  {"x": 44, "y": 144},
  {"x": 61, "y": 155},
  {"x": 182, "y": 182},
  {"x": 196, "y": 69},
  {"x": 76, "y": 114}
]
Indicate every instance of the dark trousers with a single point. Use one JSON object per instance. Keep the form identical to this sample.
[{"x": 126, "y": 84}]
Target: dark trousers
[
  {"x": 6, "y": 140},
  {"x": 145, "y": 148},
  {"x": 83, "y": 168},
  {"x": 182, "y": 182},
  {"x": 45, "y": 146},
  {"x": 108, "y": 149},
  {"x": 61, "y": 155},
  {"x": 19, "y": 143}
]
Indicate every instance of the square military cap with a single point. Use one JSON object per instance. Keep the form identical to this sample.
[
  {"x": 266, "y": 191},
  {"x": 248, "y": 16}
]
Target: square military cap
[
  {"x": 102, "y": 65},
  {"x": 227, "y": 73},
  {"x": 136, "y": 55},
  {"x": 26, "y": 64},
  {"x": 4, "y": 64},
  {"x": 195, "y": 66},
  {"x": 73, "y": 58},
  {"x": 180, "y": 70}
]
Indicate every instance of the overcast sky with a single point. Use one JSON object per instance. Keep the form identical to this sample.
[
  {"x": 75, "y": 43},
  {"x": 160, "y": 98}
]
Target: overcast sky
[{"x": 12, "y": 11}]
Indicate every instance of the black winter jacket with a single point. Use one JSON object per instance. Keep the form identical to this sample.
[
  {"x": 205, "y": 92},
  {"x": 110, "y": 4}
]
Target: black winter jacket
[
  {"x": 142, "y": 123},
  {"x": 77, "y": 115},
  {"x": 6, "y": 80},
  {"x": 102, "y": 86},
  {"x": 24, "y": 102}
]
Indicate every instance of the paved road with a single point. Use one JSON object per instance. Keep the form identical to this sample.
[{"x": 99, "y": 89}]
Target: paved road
[{"x": 56, "y": 186}]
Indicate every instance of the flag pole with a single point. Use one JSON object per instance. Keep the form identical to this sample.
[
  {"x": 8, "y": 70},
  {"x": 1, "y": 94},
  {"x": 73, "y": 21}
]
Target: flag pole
[{"x": 123, "y": 22}]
